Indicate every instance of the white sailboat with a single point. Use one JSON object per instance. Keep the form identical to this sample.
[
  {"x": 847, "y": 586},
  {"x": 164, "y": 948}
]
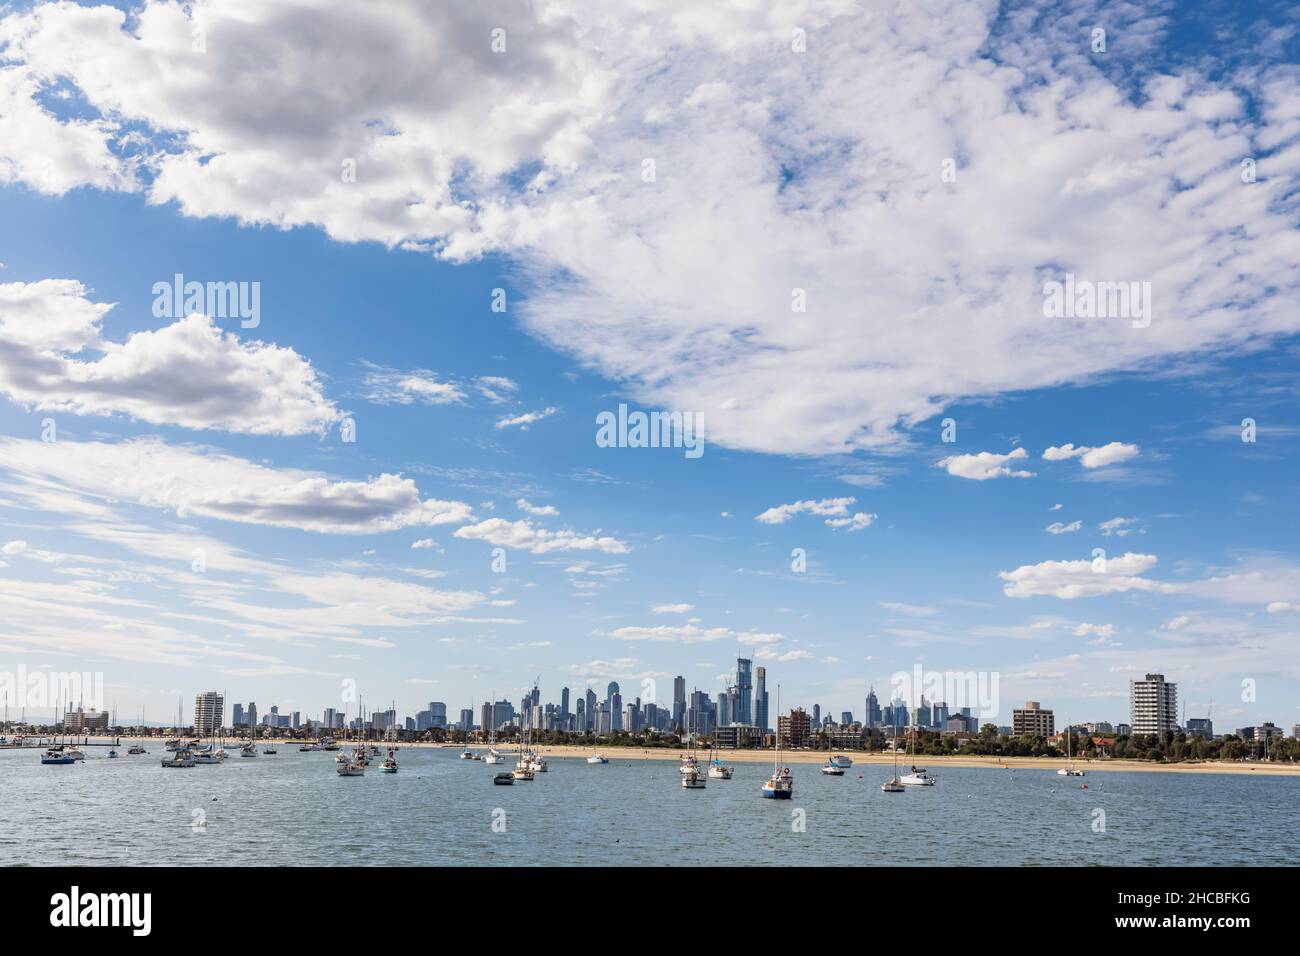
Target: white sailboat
[
  {"x": 493, "y": 756},
  {"x": 895, "y": 785},
  {"x": 1069, "y": 771},
  {"x": 780, "y": 786},
  {"x": 918, "y": 777},
  {"x": 692, "y": 779}
]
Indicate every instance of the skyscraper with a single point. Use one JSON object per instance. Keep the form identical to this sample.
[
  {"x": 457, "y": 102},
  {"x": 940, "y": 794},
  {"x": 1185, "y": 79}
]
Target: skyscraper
[
  {"x": 564, "y": 702},
  {"x": 209, "y": 711},
  {"x": 1153, "y": 705},
  {"x": 743, "y": 708},
  {"x": 591, "y": 710},
  {"x": 679, "y": 699},
  {"x": 614, "y": 704},
  {"x": 237, "y": 715},
  {"x": 760, "y": 699},
  {"x": 873, "y": 717}
]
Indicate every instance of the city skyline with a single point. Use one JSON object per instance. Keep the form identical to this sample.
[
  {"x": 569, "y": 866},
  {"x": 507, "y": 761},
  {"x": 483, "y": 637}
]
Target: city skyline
[{"x": 363, "y": 392}]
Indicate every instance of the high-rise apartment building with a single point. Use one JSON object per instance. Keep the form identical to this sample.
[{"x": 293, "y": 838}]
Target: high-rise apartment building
[
  {"x": 1153, "y": 705},
  {"x": 1032, "y": 720},
  {"x": 209, "y": 711},
  {"x": 761, "y": 718}
]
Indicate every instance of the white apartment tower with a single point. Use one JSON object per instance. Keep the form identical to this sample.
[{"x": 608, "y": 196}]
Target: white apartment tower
[
  {"x": 209, "y": 711},
  {"x": 1153, "y": 705}
]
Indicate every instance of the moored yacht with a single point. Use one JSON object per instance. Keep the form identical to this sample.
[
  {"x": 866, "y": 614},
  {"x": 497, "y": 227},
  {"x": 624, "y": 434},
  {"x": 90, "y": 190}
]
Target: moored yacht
[
  {"x": 832, "y": 769},
  {"x": 137, "y": 749},
  {"x": 180, "y": 757},
  {"x": 351, "y": 768},
  {"x": 597, "y": 758},
  {"x": 57, "y": 755},
  {"x": 389, "y": 764},
  {"x": 780, "y": 786}
]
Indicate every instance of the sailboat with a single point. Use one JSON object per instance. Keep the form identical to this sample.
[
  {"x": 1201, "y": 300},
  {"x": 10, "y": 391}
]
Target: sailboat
[
  {"x": 1069, "y": 771},
  {"x": 692, "y": 779},
  {"x": 492, "y": 756},
  {"x": 389, "y": 764},
  {"x": 468, "y": 754},
  {"x": 717, "y": 769},
  {"x": 894, "y": 786},
  {"x": 918, "y": 777},
  {"x": 353, "y": 765},
  {"x": 522, "y": 769},
  {"x": 780, "y": 786}
]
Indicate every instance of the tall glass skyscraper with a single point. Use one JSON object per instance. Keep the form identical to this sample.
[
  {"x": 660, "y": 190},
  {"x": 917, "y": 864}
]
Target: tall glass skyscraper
[
  {"x": 744, "y": 708},
  {"x": 760, "y": 699},
  {"x": 679, "y": 701}
]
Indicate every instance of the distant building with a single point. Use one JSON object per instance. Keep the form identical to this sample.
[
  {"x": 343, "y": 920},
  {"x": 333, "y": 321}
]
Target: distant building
[
  {"x": 1265, "y": 731},
  {"x": 1295, "y": 731},
  {"x": 794, "y": 730},
  {"x": 760, "y": 699},
  {"x": 237, "y": 715},
  {"x": 873, "y": 714},
  {"x": 1033, "y": 720},
  {"x": 738, "y": 736},
  {"x": 466, "y": 719},
  {"x": 1123, "y": 730},
  {"x": 209, "y": 711},
  {"x": 1201, "y": 727},
  {"x": 1153, "y": 705},
  {"x": 81, "y": 721},
  {"x": 743, "y": 700}
]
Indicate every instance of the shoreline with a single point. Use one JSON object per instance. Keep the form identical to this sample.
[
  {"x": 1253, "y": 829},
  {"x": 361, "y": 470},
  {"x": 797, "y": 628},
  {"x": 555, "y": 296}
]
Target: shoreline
[{"x": 790, "y": 758}]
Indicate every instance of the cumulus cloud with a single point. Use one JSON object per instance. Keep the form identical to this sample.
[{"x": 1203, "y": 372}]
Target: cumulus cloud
[
  {"x": 525, "y": 536},
  {"x": 189, "y": 373},
  {"x": 538, "y": 510},
  {"x": 1057, "y": 528},
  {"x": 821, "y": 174},
  {"x": 985, "y": 465},
  {"x": 202, "y": 482},
  {"x": 1109, "y": 454},
  {"x": 835, "y": 510},
  {"x": 673, "y": 608},
  {"x": 1075, "y": 579}
]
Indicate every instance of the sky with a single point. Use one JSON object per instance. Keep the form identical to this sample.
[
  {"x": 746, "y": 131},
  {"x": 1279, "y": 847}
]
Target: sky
[{"x": 824, "y": 229}]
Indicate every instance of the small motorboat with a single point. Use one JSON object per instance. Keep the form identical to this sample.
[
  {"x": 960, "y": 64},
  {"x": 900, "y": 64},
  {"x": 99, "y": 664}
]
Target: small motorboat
[
  {"x": 597, "y": 758},
  {"x": 269, "y": 750},
  {"x": 137, "y": 749},
  {"x": 521, "y": 773},
  {"x": 504, "y": 779},
  {"x": 692, "y": 780},
  {"x": 832, "y": 769},
  {"x": 840, "y": 760},
  {"x": 180, "y": 757},
  {"x": 917, "y": 778}
]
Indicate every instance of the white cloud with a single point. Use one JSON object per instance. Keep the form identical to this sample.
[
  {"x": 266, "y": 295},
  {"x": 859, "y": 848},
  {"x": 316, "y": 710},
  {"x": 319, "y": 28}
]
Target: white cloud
[
  {"x": 526, "y": 418},
  {"x": 1075, "y": 579},
  {"x": 739, "y": 128},
  {"x": 1056, "y": 507},
  {"x": 525, "y": 536},
  {"x": 390, "y": 386},
  {"x": 14, "y": 547},
  {"x": 835, "y": 510},
  {"x": 194, "y": 481},
  {"x": 1119, "y": 528},
  {"x": 693, "y": 634},
  {"x": 985, "y": 465},
  {"x": 495, "y": 388},
  {"x": 422, "y": 543},
  {"x": 1057, "y": 528},
  {"x": 188, "y": 373},
  {"x": 538, "y": 510},
  {"x": 673, "y": 608},
  {"x": 914, "y": 610},
  {"x": 1109, "y": 454}
]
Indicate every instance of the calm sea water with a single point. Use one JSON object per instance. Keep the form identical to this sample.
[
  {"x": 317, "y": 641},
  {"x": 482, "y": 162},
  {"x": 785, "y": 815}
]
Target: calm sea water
[{"x": 292, "y": 809}]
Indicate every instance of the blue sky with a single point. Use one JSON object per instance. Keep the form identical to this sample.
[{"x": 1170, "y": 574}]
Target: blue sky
[{"x": 773, "y": 173}]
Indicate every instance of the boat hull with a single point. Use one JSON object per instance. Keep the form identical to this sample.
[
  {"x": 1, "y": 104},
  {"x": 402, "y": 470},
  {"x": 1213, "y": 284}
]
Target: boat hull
[{"x": 774, "y": 794}]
